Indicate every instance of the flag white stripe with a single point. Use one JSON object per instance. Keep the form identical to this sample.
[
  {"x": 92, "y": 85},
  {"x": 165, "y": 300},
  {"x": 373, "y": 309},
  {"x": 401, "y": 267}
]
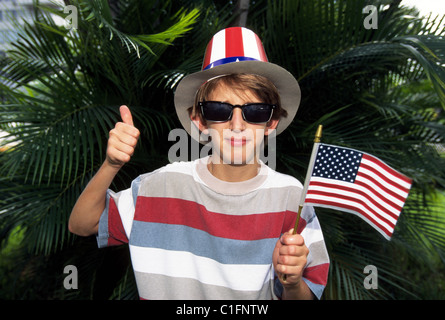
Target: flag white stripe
[
  {"x": 388, "y": 174},
  {"x": 373, "y": 191},
  {"x": 335, "y": 191},
  {"x": 380, "y": 181},
  {"x": 371, "y": 223},
  {"x": 341, "y": 202},
  {"x": 372, "y": 187}
]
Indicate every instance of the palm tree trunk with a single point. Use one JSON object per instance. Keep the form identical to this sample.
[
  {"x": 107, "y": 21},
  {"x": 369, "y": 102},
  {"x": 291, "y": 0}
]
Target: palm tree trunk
[{"x": 241, "y": 12}]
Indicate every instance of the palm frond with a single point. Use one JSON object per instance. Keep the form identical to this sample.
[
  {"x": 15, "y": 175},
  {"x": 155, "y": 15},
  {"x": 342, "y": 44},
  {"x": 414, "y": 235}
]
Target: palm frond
[
  {"x": 377, "y": 90},
  {"x": 374, "y": 90}
]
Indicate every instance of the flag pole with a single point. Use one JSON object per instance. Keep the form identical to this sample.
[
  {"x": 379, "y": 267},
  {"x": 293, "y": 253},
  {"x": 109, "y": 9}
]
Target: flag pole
[
  {"x": 306, "y": 181},
  {"x": 308, "y": 174}
]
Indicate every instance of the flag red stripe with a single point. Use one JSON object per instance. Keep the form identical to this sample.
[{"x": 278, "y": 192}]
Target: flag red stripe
[
  {"x": 380, "y": 175},
  {"x": 234, "y": 43},
  {"x": 358, "y": 201},
  {"x": 388, "y": 168},
  {"x": 384, "y": 177},
  {"x": 362, "y": 193},
  {"x": 341, "y": 206},
  {"x": 380, "y": 197},
  {"x": 378, "y": 184}
]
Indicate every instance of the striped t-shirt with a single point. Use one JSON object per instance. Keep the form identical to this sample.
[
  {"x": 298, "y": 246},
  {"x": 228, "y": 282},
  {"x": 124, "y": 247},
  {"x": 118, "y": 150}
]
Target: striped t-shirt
[{"x": 193, "y": 236}]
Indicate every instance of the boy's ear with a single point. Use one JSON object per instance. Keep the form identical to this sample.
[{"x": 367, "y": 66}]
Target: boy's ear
[
  {"x": 198, "y": 123},
  {"x": 271, "y": 125}
]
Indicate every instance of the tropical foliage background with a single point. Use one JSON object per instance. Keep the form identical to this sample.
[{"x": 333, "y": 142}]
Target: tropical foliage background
[{"x": 377, "y": 90}]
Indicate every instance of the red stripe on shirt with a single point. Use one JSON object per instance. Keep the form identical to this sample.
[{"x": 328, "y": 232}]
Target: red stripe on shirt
[
  {"x": 194, "y": 215},
  {"x": 317, "y": 274},
  {"x": 116, "y": 231}
]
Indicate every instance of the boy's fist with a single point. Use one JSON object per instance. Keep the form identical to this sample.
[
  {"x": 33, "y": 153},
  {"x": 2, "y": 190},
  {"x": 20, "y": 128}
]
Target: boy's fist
[
  {"x": 290, "y": 257},
  {"x": 122, "y": 140}
]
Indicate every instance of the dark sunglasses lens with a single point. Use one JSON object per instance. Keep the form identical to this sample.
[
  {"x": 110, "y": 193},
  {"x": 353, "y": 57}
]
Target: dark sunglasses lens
[
  {"x": 257, "y": 113},
  {"x": 216, "y": 111}
]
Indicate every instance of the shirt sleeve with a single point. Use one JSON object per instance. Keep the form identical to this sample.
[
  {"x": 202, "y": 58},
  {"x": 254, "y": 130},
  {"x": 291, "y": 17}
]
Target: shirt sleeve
[
  {"x": 315, "y": 274},
  {"x": 117, "y": 218},
  {"x": 317, "y": 267}
]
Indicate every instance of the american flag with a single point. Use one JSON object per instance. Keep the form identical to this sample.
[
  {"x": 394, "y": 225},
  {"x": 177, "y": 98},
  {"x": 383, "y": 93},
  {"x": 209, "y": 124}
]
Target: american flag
[{"x": 359, "y": 183}]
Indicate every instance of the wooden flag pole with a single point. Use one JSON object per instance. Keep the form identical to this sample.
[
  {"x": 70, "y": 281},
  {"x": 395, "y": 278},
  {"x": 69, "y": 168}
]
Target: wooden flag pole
[
  {"x": 317, "y": 140},
  {"x": 308, "y": 174}
]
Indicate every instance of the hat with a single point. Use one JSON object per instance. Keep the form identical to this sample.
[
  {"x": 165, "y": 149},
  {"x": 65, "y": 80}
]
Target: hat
[{"x": 237, "y": 50}]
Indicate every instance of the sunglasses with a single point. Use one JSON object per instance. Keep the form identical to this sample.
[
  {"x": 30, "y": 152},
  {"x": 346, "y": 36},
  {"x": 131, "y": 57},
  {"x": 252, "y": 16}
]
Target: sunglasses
[{"x": 221, "y": 111}]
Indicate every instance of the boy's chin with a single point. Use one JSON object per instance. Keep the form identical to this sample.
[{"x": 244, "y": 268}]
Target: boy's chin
[{"x": 236, "y": 160}]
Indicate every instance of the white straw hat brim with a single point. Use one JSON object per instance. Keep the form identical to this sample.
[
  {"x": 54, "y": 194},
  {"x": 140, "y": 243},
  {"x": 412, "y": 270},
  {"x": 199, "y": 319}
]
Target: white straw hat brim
[{"x": 284, "y": 81}]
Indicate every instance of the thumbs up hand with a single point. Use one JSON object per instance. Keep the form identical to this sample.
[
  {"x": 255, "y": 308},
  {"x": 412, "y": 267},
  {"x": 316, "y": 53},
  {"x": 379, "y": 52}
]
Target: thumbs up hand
[{"x": 122, "y": 140}]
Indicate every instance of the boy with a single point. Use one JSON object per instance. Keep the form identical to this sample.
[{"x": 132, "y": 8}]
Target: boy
[{"x": 219, "y": 227}]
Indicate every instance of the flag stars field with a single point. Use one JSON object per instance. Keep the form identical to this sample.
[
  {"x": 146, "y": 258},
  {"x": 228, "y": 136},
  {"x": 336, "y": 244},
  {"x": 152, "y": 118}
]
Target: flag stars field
[{"x": 337, "y": 163}]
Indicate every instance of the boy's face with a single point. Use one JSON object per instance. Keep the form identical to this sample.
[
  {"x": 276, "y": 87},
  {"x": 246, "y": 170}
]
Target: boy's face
[{"x": 236, "y": 141}]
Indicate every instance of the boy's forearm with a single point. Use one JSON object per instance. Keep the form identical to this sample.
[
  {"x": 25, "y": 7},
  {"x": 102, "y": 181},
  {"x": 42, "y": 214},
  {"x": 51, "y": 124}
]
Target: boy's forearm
[{"x": 84, "y": 219}]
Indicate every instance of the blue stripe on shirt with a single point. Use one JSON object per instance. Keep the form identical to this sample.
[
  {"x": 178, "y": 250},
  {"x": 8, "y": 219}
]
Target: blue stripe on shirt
[{"x": 201, "y": 243}]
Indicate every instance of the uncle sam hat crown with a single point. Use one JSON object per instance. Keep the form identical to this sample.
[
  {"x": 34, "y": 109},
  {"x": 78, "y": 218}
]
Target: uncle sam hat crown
[{"x": 237, "y": 50}]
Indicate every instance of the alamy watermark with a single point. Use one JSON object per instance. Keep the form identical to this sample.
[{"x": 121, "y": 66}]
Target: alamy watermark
[
  {"x": 235, "y": 148},
  {"x": 71, "y": 20},
  {"x": 371, "y": 21},
  {"x": 71, "y": 280},
  {"x": 371, "y": 281}
]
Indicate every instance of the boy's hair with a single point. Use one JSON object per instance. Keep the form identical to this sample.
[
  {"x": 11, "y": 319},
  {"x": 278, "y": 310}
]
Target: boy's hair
[{"x": 260, "y": 86}]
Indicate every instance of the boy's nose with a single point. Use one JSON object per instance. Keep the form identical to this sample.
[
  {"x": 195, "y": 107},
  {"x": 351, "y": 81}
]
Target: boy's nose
[{"x": 237, "y": 122}]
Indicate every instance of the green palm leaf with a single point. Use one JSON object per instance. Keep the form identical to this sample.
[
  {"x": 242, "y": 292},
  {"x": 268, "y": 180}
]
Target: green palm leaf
[{"x": 378, "y": 90}]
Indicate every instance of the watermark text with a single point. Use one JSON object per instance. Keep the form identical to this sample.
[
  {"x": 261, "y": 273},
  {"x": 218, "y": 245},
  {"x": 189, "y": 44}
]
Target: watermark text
[
  {"x": 228, "y": 147},
  {"x": 70, "y": 281},
  {"x": 371, "y": 281},
  {"x": 71, "y": 18},
  {"x": 371, "y": 20}
]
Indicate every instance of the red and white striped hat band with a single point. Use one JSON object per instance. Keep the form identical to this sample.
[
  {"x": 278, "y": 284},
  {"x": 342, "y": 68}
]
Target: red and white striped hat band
[{"x": 233, "y": 45}]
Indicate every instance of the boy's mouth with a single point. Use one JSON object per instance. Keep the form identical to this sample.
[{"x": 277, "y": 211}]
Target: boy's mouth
[{"x": 237, "y": 142}]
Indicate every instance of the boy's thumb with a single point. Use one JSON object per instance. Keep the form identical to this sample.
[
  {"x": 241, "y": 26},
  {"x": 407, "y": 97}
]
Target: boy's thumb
[{"x": 126, "y": 115}]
